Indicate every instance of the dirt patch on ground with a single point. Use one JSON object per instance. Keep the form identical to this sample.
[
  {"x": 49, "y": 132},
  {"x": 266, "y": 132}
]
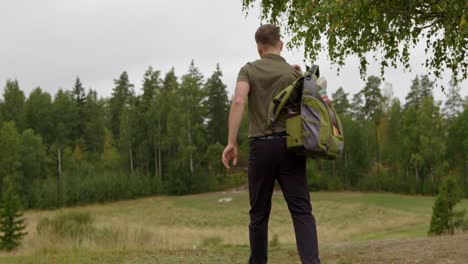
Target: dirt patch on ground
[{"x": 434, "y": 250}]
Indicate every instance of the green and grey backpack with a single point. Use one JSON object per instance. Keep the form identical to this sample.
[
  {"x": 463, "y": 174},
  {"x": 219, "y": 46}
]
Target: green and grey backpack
[{"x": 313, "y": 128}]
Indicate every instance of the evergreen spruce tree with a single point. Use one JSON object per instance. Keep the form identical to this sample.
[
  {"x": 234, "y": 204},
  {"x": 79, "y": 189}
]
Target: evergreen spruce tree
[
  {"x": 413, "y": 97},
  {"x": 217, "y": 108},
  {"x": 420, "y": 88},
  {"x": 93, "y": 126},
  {"x": 341, "y": 102},
  {"x": 392, "y": 149},
  {"x": 151, "y": 86},
  {"x": 454, "y": 102},
  {"x": 148, "y": 122},
  {"x": 356, "y": 107},
  {"x": 372, "y": 109},
  {"x": 79, "y": 97},
  {"x": 443, "y": 221},
  {"x": 121, "y": 95},
  {"x": 78, "y": 93},
  {"x": 12, "y": 225},
  {"x": 166, "y": 110}
]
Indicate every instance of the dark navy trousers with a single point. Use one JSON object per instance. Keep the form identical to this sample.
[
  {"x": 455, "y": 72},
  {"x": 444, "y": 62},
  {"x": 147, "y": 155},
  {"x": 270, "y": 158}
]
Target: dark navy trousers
[{"x": 270, "y": 160}]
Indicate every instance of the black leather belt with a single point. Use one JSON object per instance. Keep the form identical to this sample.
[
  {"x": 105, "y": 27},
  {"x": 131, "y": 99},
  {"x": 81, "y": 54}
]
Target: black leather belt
[{"x": 271, "y": 136}]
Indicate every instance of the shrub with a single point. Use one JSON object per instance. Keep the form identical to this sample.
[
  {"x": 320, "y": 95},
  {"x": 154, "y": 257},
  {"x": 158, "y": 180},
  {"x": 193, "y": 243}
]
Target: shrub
[
  {"x": 110, "y": 236},
  {"x": 212, "y": 241},
  {"x": 74, "y": 226},
  {"x": 78, "y": 228}
]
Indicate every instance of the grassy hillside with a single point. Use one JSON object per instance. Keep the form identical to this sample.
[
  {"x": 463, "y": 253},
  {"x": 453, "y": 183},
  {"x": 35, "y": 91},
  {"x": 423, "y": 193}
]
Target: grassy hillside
[{"x": 200, "y": 229}]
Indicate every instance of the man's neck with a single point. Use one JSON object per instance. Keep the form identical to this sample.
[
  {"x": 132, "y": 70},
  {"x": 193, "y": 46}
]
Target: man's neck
[{"x": 273, "y": 52}]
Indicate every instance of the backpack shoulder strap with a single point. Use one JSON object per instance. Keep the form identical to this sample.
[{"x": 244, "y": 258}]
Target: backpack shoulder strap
[
  {"x": 314, "y": 70},
  {"x": 282, "y": 97},
  {"x": 278, "y": 103}
]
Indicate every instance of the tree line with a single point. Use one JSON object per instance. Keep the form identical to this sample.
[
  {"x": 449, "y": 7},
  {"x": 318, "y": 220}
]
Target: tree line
[
  {"x": 396, "y": 147},
  {"x": 74, "y": 148}
]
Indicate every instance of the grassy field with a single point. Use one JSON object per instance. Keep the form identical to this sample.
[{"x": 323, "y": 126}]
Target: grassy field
[{"x": 352, "y": 228}]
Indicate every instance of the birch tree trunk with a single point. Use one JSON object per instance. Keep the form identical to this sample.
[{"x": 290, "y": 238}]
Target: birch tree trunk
[
  {"x": 417, "y": 173},
  {"x": 377, "y": 150},
  {"x": 159, "y": 149},
  {"x": 159, "y": 158},
  {"x": 59, "y": 160},
  {"x": 131, "y": 159},
  {"x": 59, "y": 182},
  {"x": 155, "y": 161},
  {"x": 190, "y": 145}
]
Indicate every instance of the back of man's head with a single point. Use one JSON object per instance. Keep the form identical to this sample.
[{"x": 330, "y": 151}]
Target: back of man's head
[{"x": 268, "y": 35}]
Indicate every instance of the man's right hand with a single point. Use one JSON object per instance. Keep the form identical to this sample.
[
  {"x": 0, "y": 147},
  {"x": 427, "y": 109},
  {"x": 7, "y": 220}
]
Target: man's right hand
[
  {"x": 297, "y": 67},
  {"x": 230, "y": 152}
]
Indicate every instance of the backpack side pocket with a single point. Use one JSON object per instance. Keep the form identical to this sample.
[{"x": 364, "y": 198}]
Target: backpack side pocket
[{"x": 315, "y": 125}]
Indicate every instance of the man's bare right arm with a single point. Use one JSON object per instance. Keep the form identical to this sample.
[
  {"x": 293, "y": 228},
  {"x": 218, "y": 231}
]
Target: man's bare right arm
[{"x": 235, "y": 118}]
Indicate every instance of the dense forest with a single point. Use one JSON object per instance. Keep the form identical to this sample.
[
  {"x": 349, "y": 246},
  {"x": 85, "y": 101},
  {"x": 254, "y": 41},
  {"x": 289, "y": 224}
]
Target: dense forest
[{"x": 166, "y": 137}]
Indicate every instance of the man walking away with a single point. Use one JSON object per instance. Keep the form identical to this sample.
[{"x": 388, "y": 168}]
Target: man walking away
[{"x": 269, "y": 158}]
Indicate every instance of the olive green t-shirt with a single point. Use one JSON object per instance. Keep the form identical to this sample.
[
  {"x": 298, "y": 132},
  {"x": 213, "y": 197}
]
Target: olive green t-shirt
[{"x": 266, "y": 77}]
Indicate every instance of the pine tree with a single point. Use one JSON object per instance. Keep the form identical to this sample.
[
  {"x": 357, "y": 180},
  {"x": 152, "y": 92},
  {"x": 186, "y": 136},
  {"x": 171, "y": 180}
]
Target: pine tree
[
  {"x": 190, "y": 98},
  {"x": 373, "y": 98},
  {"x": 340, "y": 101},
  {"x": 420, "y": 88},
  {"x": 170, "y": 83},
  {"x": 130, "y": 133},
  {"x": 217, "y": 108},
  {"x": 93, "y": 126},
  {"x": 148, "y": 122},
  {"x": 356, "y": 107},
  {"x": 79, "y": 98},
  {"x": 78, "y": 93},
  {"x": 169, "y": 119},
  {"x": 392, "y": 148},
  {"x": 13, "y": 105},
  {"x": 413, "y": 97},
  {"x": 372, "y": 109},
  {"x": 121, "y": 95},
  {"x": 12, "y": 225},
  {"x": 454, "y": 103},
  {"x": 151, "y": 86}
]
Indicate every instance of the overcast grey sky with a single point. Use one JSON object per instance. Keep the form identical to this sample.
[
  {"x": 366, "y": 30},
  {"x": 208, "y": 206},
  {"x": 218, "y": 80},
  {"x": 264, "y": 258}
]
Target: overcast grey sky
[{"x": 48, "y": 43}]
